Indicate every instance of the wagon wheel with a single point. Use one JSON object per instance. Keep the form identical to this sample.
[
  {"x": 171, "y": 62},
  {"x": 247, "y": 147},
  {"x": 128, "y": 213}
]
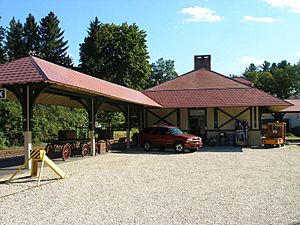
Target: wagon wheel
[
  {"x": 84, "y": 150},
  {"x": 65, "y": 152},
  {"x": 50, "y": 149}
]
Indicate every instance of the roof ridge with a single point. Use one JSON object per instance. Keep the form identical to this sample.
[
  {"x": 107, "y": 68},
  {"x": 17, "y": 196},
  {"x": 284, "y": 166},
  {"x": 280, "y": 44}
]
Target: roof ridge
[
  {"x": 232, "y": 79},
  {"x": 42, "y": 73},
  {"x": 192, "y": 71},
  {"x": 81, "y": 73},
  {"x": 197, "y": 89}
]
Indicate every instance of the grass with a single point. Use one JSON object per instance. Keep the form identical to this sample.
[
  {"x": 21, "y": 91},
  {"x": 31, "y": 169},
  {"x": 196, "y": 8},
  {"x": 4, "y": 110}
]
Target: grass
[
  {"x": 119, "y": 134},
  {"x": 291, "y": 137}
]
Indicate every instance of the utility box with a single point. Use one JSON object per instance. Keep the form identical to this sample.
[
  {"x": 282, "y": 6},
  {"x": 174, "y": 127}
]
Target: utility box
[{"x": 222, "y": 138}]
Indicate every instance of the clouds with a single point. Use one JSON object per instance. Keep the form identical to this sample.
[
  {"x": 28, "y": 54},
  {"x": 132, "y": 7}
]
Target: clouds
[
  {"x": 203, "y": 14},
  {"x": 291, "y": 6},
  {"x": 261, "y": 19},
  {"x": 298, "y": 53},
  {"x": 200, "y": 14}
]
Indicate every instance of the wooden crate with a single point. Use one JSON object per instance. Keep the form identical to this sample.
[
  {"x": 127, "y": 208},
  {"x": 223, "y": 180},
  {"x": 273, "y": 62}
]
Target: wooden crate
[{"x": 101, "y": 147}]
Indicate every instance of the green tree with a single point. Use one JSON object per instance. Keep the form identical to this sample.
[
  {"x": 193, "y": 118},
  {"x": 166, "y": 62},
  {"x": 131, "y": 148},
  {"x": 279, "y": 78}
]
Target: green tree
[
  {"x": 162, "y": 71},
  {"x": 11, "y": 122},
  {"x": 265, "y": 81},
  {"x": 281, "y": 79},
  {"x": 116, "y": 53},
  {"x": 53, "y": 48},
  {"x": 265, "y": 67},
  {"x": 49, "y": 119},
  {"x": 31, "y": 36},
  {"x": 14, "y": 40},
  {"x": 285, "y": 81},
  {"x": 91, "y": 53},
  {"x": 2, "y": 50}
]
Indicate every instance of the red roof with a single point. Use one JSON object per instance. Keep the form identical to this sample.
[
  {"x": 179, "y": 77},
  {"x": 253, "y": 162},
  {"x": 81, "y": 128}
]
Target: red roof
[
  {"x": 205, "y": 88},
  {"x": 198, "y": 79},
  {"x": 244, "y": 81},
  {"x": 31, "y": 69},
  {"x": 293, "y": 109}
]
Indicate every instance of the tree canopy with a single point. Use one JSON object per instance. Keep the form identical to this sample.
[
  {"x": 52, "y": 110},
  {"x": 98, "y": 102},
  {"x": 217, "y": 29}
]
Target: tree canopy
[
  {"x": 162, "y": 71},
  {"x": 14, "y": 40},
  {"x": 281, "y": 79},
  {"x": 2, "y": 50},
  {"x": 31, "y": 37},
  {"x": 52, "y": 47},
  {"x": 116, "y": 53}
]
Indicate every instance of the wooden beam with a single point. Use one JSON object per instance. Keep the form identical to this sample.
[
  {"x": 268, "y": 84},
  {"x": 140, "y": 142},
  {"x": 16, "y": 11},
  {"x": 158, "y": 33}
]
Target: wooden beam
[
  {"x": 216, "y": 118},
  {"x": 232, "y": 117},
  {"x": 162, "y": 118}
]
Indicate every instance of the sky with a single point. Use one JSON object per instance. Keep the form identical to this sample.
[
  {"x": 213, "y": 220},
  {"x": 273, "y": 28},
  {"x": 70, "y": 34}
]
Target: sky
[{"x": 234, "y": 32}]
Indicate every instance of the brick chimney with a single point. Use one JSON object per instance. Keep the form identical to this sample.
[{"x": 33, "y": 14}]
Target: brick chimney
[{"x": 202, "y": 61}]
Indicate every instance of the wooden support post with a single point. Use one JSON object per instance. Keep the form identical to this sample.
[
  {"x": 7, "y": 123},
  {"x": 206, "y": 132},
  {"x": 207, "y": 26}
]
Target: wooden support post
[
  {"x": 27, "y": 94},
  {"x": 178, "y": 117},
  {"x": 27, "y": 115},
  {"x": 128, "y": 128},
  {"x": 216, "y": 118},
  {"x": 92, "y": 126}
]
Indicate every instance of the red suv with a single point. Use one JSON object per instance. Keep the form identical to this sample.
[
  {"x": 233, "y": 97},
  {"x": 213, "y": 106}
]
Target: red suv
[{"x": 168, "y": 137}]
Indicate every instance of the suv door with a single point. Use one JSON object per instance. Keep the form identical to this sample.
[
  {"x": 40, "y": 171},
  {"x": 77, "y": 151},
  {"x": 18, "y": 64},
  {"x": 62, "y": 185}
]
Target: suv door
[
  {"x": 164, "y": 138},
  {"x": 154, "y": 137}
]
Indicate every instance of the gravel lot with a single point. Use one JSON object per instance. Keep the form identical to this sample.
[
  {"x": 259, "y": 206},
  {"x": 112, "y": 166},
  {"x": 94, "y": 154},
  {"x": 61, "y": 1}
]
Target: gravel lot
[{"x": 212, "y": 186}]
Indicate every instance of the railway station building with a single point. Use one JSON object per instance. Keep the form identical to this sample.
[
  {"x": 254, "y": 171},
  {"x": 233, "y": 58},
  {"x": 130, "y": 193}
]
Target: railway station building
[{"x": 211, "y": 105}]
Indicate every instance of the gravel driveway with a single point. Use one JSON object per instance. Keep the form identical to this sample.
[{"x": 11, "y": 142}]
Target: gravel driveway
[{"x": 212, "y": 186}]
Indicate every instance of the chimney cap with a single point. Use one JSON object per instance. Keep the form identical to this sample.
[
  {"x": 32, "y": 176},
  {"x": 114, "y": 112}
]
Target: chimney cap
[{"x": 202, "y": 56}]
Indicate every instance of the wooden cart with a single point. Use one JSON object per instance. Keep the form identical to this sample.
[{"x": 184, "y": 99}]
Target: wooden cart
[{"x": 68, "y": 147}]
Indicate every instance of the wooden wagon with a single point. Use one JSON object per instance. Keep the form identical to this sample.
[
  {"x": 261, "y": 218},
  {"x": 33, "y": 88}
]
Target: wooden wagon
[{"x": 68, "y": 145}]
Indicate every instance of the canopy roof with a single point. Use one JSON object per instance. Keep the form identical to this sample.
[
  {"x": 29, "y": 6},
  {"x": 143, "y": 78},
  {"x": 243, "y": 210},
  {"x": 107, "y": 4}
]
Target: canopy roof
[
  {"x": 34, "y": 70},
  {"x": 205, "y": 88},
  {"x": 292, "y": 109}
]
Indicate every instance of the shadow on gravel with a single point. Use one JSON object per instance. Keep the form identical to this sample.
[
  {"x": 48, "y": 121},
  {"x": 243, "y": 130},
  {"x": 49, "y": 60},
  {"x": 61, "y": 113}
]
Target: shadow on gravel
[
  {"x": 13, "y": 161},
  {"x": 142, "y": 152},
  {"x": 172, "y": 152},
  {"x": 222, "y": 149}
]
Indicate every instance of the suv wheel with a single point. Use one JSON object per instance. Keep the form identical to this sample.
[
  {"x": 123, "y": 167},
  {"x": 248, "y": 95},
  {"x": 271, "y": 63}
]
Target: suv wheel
[
  {"x": 147, "y": 146},
  {"x": 179, "y": 147}
]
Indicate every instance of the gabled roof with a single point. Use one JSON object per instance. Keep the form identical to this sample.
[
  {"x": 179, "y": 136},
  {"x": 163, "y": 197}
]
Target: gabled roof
[
  {"x": 198, "y": 79},
  {"x": 206, "y": 88},
  {"x": 292, "y": 109},
  {"x": 32, "y": 70}
]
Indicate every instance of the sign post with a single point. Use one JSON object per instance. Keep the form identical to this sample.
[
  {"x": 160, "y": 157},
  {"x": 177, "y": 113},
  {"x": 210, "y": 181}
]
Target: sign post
[{"x": 2, "y": 94}]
